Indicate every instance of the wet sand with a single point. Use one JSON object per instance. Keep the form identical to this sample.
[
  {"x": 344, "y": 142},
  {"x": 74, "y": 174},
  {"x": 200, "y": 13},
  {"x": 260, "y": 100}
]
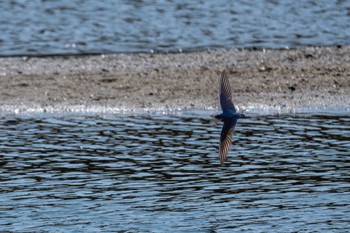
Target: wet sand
[{"x": 269, "y": 80}]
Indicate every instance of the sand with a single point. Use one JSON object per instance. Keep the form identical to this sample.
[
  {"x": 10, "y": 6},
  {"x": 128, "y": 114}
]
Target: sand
[{"x": 295, "y": 80}]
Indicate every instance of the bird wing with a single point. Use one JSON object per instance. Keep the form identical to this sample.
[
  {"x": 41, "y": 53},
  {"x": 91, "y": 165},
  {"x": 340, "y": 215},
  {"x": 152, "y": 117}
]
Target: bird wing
[
  {"x": 225, "y": 93},
  {"x": 226, "y": 138}
]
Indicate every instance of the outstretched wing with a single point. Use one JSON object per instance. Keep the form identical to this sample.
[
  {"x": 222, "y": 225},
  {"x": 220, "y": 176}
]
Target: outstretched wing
[
  {"x": 225, "y": 93},
  {"x": 226, "y": 138}
]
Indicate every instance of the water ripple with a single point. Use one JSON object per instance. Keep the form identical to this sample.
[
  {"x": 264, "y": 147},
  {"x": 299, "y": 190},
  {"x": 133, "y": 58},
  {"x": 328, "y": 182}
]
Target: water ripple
[
  {"x": 159, "y": 173},
  {"x": 75, "y": 27}
]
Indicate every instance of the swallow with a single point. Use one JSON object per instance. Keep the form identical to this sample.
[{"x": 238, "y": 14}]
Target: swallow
[{"x": 229, "y": 116}]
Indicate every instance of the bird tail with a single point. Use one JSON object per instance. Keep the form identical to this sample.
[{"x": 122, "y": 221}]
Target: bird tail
[{"x": 219, "y": 117}]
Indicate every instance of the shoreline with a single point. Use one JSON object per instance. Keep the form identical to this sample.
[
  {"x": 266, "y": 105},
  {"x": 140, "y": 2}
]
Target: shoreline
[{"x": 295, "y": 80}]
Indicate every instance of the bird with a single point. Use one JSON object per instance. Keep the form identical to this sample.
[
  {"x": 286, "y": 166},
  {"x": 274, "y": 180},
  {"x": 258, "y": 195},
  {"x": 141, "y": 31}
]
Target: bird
[{"x": 229, "y": 116}]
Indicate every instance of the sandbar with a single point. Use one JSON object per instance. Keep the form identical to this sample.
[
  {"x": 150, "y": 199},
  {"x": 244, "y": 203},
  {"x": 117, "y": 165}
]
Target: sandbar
[{"x": 265, "y": 80}]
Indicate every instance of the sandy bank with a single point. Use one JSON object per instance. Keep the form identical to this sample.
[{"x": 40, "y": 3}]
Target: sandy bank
[{"x": 278, "y": 80}]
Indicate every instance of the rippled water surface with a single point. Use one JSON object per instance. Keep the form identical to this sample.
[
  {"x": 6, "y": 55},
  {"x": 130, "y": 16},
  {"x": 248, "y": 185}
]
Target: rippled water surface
[
  {"x": 161, "y": 173},
  {"x": 114, "y": 26}
]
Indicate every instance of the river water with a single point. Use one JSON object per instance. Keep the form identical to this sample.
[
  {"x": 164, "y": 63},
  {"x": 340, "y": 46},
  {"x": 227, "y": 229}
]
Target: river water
[
  {"x": 42, "y": 27},
  {"x": 161, "y": 172}
]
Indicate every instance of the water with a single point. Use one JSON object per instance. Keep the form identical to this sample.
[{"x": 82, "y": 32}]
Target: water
[
  {"x": 32, "y": 27},
  {"x": 159, "y": 173}
]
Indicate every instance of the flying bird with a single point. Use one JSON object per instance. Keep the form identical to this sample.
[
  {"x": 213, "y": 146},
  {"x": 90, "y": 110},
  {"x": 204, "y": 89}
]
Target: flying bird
[{"x": 229, "y": 116}]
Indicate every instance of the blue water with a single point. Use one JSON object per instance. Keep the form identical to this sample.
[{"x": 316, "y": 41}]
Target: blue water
[
  {"x": 33, "y": 27},
  {"x": 161, "y": 173}
]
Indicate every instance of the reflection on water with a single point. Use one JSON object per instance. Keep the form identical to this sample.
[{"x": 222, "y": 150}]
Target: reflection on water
[{"x": 160, "y": 173}]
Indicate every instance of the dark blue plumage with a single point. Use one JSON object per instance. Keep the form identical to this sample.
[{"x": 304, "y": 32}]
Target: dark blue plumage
[{"x": 229, "y": 116}]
